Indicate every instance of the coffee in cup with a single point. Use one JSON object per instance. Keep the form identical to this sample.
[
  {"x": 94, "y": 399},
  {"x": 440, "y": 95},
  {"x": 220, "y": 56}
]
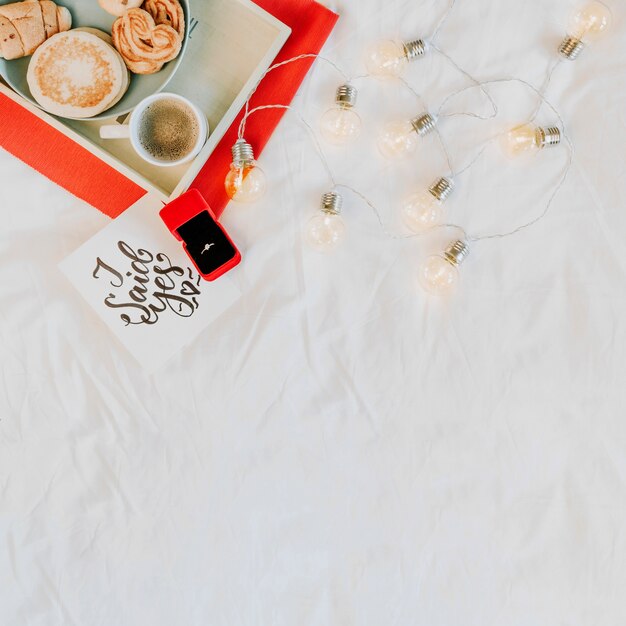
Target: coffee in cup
[
  {"x": 165, "y": 129},
  {"x": 168, "y": 130}
]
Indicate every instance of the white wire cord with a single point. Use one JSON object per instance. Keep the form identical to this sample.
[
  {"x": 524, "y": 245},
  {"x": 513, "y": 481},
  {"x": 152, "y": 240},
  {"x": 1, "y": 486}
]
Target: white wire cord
[
  {"x": 337, "y": 185},
  {"x": 383, "y": 226},
  {"x": 443, "y": 20},
  {"x": 566, "y": 170},
  {"x": 444, "y": 148},
  {"x": 544, "y": 88},
  {"x": 543, "y": 214},
  {"x": 377, "y": 212},
  {"x": 476, "y": 84},
  {"x": 560, "y": 184},
  {"x": 309, "y": 128},
  {"x": 300, "y": 57}
]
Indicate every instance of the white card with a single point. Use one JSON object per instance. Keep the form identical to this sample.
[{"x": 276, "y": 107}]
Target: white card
[{"x": 139, "y": 280}]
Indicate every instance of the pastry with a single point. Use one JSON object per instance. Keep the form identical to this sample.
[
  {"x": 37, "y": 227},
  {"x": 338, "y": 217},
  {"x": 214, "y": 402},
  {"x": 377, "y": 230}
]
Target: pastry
[
  {"x": 119, "y": 7},
  {"x": 50, "y": 17},
  {"x": 144, "y": 45},
  {"x": 65, "y": 19},
  {"x": 10, "y": 42},
  {"x": 24, "y": 26},
  {"x": 169, "y": 12},
  {"x": 94, "y": 81}
]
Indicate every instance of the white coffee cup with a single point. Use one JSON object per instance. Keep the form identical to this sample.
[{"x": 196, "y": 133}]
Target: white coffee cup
[{"x": 133, "y": 130}]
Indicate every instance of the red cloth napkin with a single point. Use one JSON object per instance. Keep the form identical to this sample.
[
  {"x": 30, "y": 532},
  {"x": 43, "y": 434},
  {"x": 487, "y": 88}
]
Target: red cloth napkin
[
  {"x": 311, "y": 25},
  {"x": 63, "y": 161},
  {"x": 74, "y": 168}
]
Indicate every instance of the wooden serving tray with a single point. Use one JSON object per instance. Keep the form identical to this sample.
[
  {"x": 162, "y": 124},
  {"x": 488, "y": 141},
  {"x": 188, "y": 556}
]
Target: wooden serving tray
[{"x": 231, "y": 45}]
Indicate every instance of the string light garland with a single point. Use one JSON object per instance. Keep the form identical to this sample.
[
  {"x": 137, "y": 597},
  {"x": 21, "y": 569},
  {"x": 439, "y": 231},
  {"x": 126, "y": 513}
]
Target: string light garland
[
  {"x": 439, "y": 274},
  {"x": 424, "y": 211},
  {"x": 246, "y": 181},
  {"x": 527, "y": 139},
  {"x": 388, "y": 59},
  {"x": 327, "y": 230},
  {"x": 401, "y": 138},
  {"x": 342, "y": 124},
  {"x": 587, "y": 24}
]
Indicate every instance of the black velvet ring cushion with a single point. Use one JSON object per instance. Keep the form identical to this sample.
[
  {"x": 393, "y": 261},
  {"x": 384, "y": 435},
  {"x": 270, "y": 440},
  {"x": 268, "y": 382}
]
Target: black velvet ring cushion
[{"x": 206, "y": 243}]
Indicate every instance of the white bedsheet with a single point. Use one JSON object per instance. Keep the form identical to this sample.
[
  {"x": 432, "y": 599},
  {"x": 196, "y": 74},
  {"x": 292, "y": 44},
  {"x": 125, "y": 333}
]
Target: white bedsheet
[{"x": 339, "y": 450}]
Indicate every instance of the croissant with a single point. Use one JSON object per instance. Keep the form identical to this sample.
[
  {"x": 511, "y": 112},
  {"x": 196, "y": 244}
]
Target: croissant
[{"x": 24, "y": 26}]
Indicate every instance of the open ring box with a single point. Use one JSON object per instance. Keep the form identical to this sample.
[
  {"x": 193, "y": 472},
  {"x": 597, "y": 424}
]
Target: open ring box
[{"x": 231, "y": 45}]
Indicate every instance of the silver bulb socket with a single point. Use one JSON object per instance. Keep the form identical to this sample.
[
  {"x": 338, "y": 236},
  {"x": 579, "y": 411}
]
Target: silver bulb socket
[
  {"x": 424, "y": 124},
  {"x": 332, "y": 202},
  {"x": 346, "y": 96},
  {"x": 571, "y": 47},
  {"x": 243, "y": 154},
  {"x": 415, "y": 49},
  {"x": 456, "y": 252},
  {"x": 441, "y": 189},
  {"x": 548, "y": 137}
]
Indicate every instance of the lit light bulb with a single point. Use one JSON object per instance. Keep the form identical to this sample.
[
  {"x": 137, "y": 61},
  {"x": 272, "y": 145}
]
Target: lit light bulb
[
  {"x": 326, "y": 230},
  {"x": 424, "y": 210},
  {"x": 439, "y": 274},
  {"x": 586, "y": 25},
  {"x": 341, "y": 124},
  {"x": 529, "y": 139},
  {"x": 245, "y": 182},
  {"x": 398, "y": 139},
  {"x": 387, "y": 59}
]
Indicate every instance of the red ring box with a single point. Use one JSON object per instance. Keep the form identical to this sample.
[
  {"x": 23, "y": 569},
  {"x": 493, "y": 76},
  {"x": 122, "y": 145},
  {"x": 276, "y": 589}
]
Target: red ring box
[{"x": 190, "y": 219}]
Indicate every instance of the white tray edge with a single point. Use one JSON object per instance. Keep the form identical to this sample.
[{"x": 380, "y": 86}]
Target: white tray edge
[{"x": 217, "y": 133}]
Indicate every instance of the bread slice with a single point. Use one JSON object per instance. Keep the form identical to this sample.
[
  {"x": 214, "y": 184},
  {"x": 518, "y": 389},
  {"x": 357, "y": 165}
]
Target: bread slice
[
  {"x": 10, "y": 40},
  {"x": 86, "y": 86},
  {"x": 27, "y": 19},
  {"x": 50, "y": 19},
  {"x": 64, "y": 18}
]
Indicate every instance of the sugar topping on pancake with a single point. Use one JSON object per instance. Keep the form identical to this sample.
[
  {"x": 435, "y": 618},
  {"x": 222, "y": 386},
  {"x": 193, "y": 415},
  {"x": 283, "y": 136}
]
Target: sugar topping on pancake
[{"x": 76, "y": 74}]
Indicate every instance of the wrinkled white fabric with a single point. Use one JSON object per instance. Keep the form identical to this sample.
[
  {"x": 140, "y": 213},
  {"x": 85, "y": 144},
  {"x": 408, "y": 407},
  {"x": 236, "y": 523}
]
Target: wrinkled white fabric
[{"x": 339, "y": 449}]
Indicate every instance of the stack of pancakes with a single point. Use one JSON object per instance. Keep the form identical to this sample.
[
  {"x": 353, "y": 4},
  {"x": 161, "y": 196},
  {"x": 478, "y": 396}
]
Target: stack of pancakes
[{"x": 78, "y": 74}]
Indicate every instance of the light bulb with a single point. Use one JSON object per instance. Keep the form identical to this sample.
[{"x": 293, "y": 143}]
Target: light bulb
[
  {"x": 529, "y": 139},
  {"x": 387, "y": 59},
  {"x": 424, "y": 210},
  {"x": 245, "y": 182},
  {"x": 341, "y": 124},
  {"x": 326, "y": 230},
  {"x": 587, "y": 24},
  {"x": 439, "y": 274},
  {"x": 398, "y": 139}
]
